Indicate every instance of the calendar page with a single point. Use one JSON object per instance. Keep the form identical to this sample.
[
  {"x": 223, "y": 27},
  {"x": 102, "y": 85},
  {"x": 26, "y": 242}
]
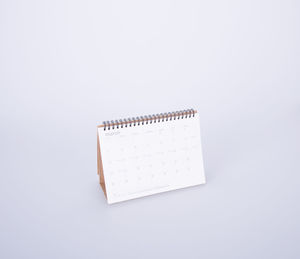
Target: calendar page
[{"x": 146, "y": 159}]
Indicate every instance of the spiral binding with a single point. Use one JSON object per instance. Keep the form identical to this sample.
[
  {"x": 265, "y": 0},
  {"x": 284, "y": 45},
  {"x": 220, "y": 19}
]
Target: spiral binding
[{"x": 148, "y": 119}]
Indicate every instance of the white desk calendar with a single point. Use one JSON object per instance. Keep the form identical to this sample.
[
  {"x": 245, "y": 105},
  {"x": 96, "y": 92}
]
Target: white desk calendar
[{"x": 151, "y": 154}]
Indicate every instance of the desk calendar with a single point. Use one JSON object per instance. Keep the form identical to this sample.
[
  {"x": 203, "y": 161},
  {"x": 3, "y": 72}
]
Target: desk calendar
[{"x": 149, "y": 154}]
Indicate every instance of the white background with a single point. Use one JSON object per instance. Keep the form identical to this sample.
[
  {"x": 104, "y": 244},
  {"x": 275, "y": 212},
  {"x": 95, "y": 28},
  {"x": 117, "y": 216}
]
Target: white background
[{"x": 67, "y": 65}]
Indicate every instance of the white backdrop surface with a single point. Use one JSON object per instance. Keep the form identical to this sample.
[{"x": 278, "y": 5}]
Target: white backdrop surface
[{"x": 67, "y": 65}]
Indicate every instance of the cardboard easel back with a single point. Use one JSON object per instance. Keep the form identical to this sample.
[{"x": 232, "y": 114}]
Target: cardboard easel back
[{"x": 100, "y": 166}]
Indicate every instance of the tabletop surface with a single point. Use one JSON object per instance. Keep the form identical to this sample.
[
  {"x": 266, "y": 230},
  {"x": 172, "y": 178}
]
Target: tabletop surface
[{"x": 67, "y": 66}]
